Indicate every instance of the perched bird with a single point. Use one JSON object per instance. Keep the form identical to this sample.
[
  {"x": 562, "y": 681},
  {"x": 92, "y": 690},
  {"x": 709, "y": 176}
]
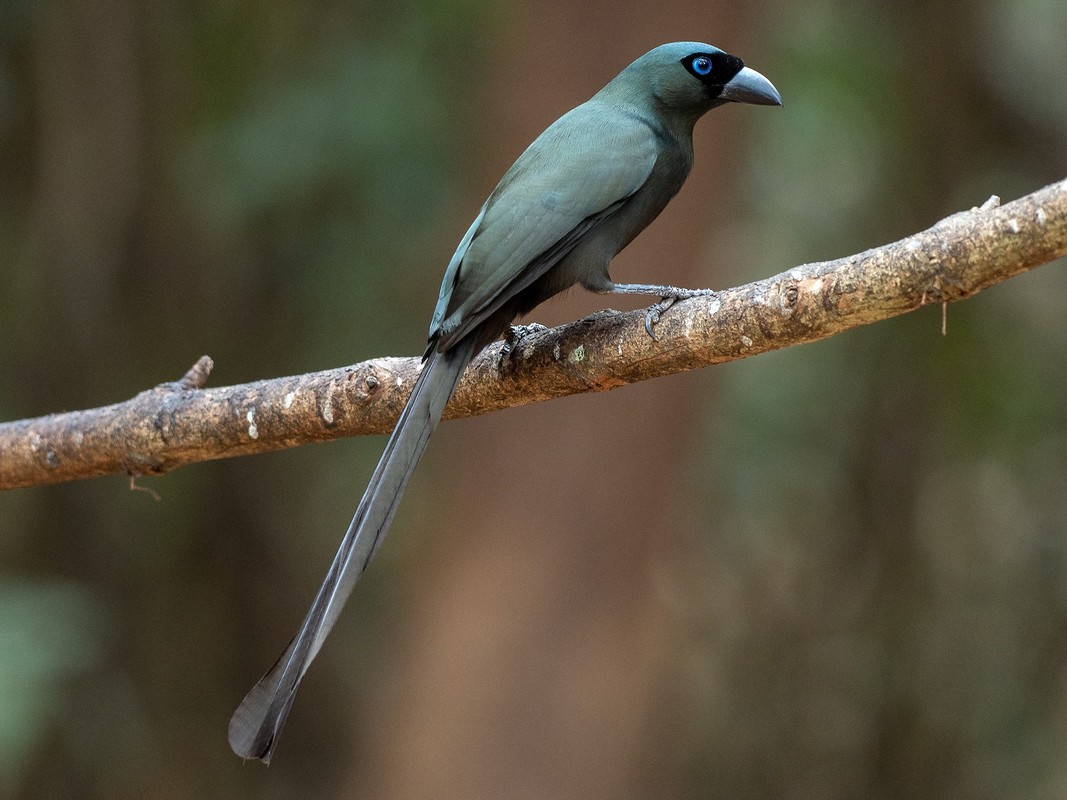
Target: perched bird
[{"x": 577, "y": 196}]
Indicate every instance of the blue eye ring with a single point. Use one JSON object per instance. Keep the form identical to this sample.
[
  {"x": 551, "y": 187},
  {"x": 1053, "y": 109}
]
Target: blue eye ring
[{"x": 702, "y": 66}]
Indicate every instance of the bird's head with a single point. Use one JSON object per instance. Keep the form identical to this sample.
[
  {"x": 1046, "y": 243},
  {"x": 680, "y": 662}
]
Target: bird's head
[{"x": 692, "y": 77}]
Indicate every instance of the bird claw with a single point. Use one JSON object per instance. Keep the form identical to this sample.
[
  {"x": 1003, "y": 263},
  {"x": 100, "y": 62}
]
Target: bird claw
[
  {"x": 652, "y": 316},
  {"x": 513, "y": 338}
]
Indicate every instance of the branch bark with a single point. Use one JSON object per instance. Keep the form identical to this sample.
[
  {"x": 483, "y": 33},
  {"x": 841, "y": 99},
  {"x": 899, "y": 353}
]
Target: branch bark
[{"x": 182, "y": 422}]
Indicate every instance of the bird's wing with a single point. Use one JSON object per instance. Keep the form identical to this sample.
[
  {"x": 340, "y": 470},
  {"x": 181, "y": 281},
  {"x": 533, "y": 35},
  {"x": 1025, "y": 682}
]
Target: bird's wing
[{"x": 576, "y": 173}]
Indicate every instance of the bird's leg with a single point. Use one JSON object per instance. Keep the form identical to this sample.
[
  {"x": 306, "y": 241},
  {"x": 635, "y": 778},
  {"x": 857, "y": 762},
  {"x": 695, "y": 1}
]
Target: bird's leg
[
  {"x": 513, "y": 337},
  {"x": 669, "y": 295}
]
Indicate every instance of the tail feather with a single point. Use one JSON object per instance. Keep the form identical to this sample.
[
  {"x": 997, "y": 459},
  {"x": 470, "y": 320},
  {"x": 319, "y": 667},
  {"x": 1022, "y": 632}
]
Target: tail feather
[{"x": 258, "y": 720}]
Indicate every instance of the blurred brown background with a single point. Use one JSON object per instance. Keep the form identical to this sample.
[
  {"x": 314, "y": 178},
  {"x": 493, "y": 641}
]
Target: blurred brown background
[{"x": 831, "y": 572}]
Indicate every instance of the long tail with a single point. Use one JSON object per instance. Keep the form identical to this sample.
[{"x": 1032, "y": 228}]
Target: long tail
[{"x": 256, "y": 723}]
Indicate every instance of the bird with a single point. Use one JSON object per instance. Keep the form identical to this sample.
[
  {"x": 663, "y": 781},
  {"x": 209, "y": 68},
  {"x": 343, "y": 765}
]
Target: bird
[{"x": 581, "y": 192}]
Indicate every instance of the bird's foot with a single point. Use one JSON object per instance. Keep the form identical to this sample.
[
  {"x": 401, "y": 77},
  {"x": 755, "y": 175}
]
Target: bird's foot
[
  {"x": 513, "y": 338},
  {"x": 672, "y": 295}
]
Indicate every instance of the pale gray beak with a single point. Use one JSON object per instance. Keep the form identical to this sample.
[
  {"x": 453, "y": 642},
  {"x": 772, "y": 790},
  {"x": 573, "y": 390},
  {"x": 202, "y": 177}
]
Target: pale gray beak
[{"x": 748, "y": 86}]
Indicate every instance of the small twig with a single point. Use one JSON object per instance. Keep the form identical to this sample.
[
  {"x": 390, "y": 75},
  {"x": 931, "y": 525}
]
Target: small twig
[
  {"x": 196, "y": 377},
  {"x": 135, "y": 487}
]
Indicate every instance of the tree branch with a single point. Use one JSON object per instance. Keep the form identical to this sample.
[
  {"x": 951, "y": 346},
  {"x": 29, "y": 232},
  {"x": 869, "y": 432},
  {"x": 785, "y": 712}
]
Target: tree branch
[{"x": 183, "y": 422}]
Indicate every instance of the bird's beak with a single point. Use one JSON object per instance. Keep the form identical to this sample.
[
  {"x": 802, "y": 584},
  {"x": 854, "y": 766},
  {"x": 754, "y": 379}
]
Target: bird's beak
[{"x": 748, "y": 86}]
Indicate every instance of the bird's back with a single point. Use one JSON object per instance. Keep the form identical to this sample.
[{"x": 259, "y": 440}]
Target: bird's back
[{"x": 575, "y": 197}]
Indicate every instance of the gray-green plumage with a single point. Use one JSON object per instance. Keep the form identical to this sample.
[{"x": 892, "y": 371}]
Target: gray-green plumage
[{"x": 578, "y": 195}]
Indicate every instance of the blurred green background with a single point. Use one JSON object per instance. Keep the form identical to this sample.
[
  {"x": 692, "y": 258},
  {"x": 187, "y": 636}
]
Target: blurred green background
[{"x": 835, "y": 571}]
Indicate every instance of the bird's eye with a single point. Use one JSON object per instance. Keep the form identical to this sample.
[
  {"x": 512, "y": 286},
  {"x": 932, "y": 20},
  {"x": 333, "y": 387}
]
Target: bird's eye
[{"x": 702, "y": 65}]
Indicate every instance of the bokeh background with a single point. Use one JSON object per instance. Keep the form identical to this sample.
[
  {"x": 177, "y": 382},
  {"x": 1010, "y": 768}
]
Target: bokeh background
[{"x": 835, "y": 571}]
